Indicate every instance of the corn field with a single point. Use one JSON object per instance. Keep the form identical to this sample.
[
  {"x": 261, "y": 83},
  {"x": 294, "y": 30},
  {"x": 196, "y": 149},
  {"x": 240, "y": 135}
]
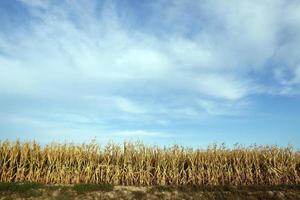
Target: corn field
[{"x": 138, "y": 164}]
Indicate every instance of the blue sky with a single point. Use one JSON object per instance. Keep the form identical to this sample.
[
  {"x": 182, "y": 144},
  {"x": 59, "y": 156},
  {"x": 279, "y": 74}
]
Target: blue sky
[{"x": 164, "y": 72}]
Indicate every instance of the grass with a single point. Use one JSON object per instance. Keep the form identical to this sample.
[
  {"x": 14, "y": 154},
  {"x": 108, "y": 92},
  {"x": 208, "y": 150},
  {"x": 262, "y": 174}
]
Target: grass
[
  {"x": 83, "y": 188},
  {"x": 18, "y": 187},
  {"x": 27, "y": 190},
  {"x": 36, "y": 190},
  {"x": 23, "y": 189}
]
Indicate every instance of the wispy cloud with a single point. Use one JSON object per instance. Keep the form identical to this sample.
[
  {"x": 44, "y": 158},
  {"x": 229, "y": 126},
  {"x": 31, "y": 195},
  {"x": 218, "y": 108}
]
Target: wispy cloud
[
  {"x": 139, "y": 134},
  {"x": 95, "y": 62}
]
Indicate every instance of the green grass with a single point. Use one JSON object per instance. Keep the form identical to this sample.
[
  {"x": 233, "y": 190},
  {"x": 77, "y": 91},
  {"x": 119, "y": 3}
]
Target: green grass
[
  {"x": 31, "y": 189},
  {"x": 82, "y": 188},
  {"x": 18, "y": 187},
  {"x": 25, "y": 189}
]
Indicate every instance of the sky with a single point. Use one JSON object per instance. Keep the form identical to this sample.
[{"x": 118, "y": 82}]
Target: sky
[{"x": 163, "y": 72}]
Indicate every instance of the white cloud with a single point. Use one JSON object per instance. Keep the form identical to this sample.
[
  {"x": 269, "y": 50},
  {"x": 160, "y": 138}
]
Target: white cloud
[
  {"x": 190, "y": 59},
  {"x": 56, "y": 49},
  {"x": 222, "y": 108},
  {"x": 222, "y": 86},
  {"x": 36, "y": 3},
  {"x": 128, "y": 106},
  {"x": 140, "y": 134}
]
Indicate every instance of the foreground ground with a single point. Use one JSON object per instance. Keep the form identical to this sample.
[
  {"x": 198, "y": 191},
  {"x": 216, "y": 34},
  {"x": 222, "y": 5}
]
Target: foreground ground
[{"x": 20, "y": 191}]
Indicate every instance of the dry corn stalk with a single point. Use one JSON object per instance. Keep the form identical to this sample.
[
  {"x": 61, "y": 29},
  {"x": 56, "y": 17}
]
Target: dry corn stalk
[{"x": 138, "y": 164}]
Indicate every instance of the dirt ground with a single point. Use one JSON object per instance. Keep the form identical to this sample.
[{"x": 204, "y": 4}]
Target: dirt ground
[{"x": 155, "y": 193}]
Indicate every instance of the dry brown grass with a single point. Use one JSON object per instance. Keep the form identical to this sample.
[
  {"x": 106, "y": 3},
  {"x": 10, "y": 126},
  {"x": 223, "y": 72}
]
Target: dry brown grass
[{"x": 138, "y": 164}]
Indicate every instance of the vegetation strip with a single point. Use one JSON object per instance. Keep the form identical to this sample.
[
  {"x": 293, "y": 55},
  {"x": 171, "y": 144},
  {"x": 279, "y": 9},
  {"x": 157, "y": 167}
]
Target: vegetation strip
[{"x": 140, "y": 165}]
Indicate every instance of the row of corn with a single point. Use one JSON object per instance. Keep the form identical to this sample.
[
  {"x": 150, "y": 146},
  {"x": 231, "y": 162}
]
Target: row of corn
[{"x": 138, "y": 164}]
